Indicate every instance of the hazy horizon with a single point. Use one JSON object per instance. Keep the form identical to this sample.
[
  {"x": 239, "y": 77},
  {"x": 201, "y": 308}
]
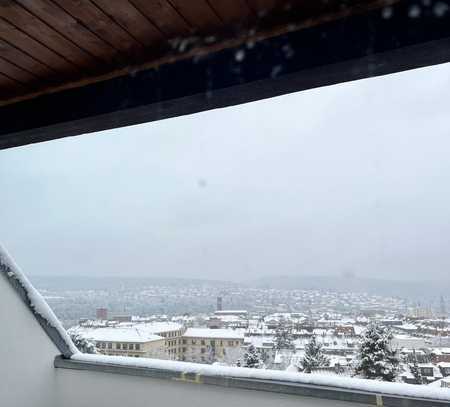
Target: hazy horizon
[
  {"x": 236, "y": 280},
  {"x": 350, "y": 178}
]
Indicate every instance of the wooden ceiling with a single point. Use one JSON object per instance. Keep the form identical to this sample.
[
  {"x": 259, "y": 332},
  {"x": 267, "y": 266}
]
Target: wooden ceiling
[{"x": 49, "y": 45}]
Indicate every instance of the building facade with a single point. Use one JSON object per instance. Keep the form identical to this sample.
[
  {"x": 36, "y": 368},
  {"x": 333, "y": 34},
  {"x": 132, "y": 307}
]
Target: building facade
[{"x": 203, "y": 345}]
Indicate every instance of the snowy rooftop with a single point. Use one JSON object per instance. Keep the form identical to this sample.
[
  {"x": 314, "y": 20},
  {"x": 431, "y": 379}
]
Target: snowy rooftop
[
  {"x": 441, "y": 351},
  {"x": 119, "y": 334},
  {"x": 127, "y": 331},
  {"x": 229, "y": 318},
  {"x": 438, "y": 383},
  {"x": 231, "y": 312},
  {"x": 407, "y": 327},
  {"x": 213, "y": 333},
  {"x": 260, "y": 341}
]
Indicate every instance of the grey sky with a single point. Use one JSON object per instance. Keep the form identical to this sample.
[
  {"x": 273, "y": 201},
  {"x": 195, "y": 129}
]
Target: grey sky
[{"x": 350, "y": 177}]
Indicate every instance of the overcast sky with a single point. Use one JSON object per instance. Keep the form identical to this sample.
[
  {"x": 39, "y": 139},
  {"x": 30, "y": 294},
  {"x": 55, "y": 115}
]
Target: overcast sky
[{"x": 354, "y": 177}]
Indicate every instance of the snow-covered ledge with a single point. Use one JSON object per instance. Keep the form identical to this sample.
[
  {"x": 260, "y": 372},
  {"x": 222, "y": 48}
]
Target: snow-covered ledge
[
  {"x": 36, "y": 303},
  {"x": 368, "y": 392}
]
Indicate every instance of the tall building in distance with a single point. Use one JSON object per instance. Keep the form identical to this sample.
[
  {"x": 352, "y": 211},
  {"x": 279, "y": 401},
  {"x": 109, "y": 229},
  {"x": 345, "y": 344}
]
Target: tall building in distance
[
  {"x": 219, "y": 303},
  {"x": 102, "y": 314},
  {"x": 442, "y": 308}
]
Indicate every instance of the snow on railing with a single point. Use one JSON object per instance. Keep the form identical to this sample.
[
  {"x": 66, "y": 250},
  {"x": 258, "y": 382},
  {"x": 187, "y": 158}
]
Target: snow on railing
[
  {"x": 344, "y": 383},
  {"x": 37, "y": 304}
]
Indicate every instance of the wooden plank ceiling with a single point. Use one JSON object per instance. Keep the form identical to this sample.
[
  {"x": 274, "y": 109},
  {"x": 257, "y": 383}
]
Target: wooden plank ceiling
[{"x": 49, "y": 45}]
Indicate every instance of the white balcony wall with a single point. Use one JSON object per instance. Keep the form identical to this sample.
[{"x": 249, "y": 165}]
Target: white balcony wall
[
  {"x": 87, "y": 389},
  {"x": 27, "y": 375}
]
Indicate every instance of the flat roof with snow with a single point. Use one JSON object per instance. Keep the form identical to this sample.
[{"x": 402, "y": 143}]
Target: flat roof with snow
[
  {"x": 112, "y": 334},
  {"x": 213, "y": 333}
]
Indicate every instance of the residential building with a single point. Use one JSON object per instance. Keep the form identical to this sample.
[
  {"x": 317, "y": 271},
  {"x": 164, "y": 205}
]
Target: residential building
[
  {"x": 126, "y": 341},
  {"x": 205, "y": 345},
  {"x": 102, "y": 314},
  {"x": 160, "y": 340},
  {"x": 439, "y": 355}
]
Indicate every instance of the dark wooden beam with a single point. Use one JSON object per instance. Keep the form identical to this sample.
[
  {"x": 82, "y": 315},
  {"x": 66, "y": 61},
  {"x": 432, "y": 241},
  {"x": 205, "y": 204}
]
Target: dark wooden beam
[{"x": 405, "y": 36}]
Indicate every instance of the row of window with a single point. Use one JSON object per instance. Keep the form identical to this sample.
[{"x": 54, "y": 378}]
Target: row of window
[
  {"x": 211, "y": 342},
  {"x": 119, "y": 346},
  {"x": 137, "y": 346},
  {"x": 171, "y": 334}
]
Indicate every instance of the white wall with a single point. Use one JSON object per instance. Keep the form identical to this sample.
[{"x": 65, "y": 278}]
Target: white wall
[
  {"x": 87, "y": 389},
  {"x": 27, "y": 376}
]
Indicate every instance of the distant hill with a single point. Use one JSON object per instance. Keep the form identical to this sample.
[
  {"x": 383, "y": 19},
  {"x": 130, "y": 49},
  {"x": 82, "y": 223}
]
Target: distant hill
[
  {"x": 408, "y": 288},
  {"x": 106, "y": 283},
  {"x": 344, "y": 283}
]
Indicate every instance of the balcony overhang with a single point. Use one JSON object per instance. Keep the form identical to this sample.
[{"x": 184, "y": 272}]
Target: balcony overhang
[{"x": 277, "y": 48}]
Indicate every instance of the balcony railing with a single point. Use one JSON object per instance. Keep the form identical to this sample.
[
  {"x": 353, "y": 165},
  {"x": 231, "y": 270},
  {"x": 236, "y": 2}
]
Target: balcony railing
[{"x": 294, "y": 384}]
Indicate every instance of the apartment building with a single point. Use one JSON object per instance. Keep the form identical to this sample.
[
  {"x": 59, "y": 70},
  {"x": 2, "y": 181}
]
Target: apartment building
[
  {"x": 160, "y": 340},
  {"x": 440, "y": 355},
  {"x": 172, "y": 333},
  {"x": 203, "y": 345},
  {"x": 127, "y": 342}
]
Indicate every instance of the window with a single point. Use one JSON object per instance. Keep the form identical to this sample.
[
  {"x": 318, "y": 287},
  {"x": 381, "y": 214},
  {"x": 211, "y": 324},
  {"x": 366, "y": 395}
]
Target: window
[
  {"x": 124, "y": 346},
  {"x": 203, "y": 342},
  {"x": 110, "y": 345},
  {"x": 117, "y": 345},
  {"x": 131, "y": 346},
  {"x": 184, "y": 341},
  {"x": 137, "y": 346},
  {"x": 203, "y": 350}
]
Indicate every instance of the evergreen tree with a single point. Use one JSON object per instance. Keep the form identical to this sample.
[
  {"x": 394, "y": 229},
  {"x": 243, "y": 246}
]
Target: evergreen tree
[
  {"x": 415, "y": 370},
  {"x": 376, "y": 359},
  {"x": 314, "y": 356},
  {"x": 251, "y": 358},
  {"x": 283, "y": 337},
  {"x": 83, "y": 344}
]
